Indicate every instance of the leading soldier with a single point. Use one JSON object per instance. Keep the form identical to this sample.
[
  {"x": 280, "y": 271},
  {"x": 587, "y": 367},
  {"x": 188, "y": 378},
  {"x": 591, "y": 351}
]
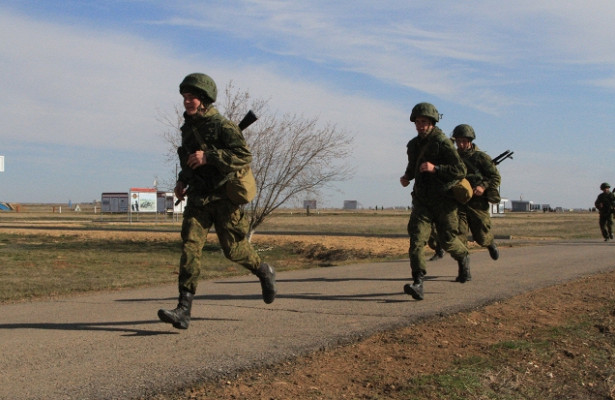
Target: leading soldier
[
  {"x": 435, "y": 166},
  {"x": 212, "y": 148}
]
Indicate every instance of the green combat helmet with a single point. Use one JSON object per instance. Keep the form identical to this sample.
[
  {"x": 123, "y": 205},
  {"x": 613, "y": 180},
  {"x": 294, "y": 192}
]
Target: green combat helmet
[
  {"x": 200, "y": 85},
  {"x": 605, "y": 185},
  {"x": 424, "y": 110},
  {"x": 464, "y": 131}
]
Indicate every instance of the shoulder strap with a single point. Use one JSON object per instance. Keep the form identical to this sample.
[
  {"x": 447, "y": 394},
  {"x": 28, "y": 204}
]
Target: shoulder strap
[
  {"x": 418, "y": 159},
  {"x": 198, "y": 137},
  {"x": 470, "y": 164},
  {"x": 195, "y": 131}
]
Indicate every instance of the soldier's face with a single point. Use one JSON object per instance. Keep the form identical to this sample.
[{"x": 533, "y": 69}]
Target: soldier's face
[
  {"x": 463, "y": 144},
  {"x": 424, "y": 125},
  {"x": 191, "y": 103}
]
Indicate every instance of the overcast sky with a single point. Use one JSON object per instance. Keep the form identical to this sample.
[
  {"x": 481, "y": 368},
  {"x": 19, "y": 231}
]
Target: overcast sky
[{"x": 84, "y": 82}]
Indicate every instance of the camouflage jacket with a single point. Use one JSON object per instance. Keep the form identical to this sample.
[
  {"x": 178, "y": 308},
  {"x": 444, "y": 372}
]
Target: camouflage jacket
[
  {"x": 225, "y": 148},
  {"x": 605, "y": 203},
  {"x": 437, "y": 149},
  {"x": 481, "y": 169}
]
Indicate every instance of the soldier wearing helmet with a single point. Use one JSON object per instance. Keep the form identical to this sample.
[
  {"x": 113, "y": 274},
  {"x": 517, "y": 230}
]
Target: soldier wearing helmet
[
  {"x": 605, "y": 203},
  {"x": 485, "y": 181},
  {"x": 435, "y": 166},
  {"x": 213, "y": 148}
]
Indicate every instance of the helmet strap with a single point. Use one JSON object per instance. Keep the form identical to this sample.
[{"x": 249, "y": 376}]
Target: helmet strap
[{"x": 203, "y": 108}]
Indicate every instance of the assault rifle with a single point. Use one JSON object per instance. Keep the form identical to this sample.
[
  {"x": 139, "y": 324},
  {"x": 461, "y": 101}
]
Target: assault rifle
[
  {"x": 503, "y": 156},
  {"x": 245, "y": 122}
]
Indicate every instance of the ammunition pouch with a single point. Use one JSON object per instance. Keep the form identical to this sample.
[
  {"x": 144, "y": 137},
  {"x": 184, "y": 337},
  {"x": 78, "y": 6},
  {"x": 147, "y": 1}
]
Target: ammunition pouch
[
  {"x": 462, "y": 191},
  {"x": 241, "y": 186}
]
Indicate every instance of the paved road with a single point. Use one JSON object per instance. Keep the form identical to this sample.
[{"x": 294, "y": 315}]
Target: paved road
[{"x": 112, "y": 346}]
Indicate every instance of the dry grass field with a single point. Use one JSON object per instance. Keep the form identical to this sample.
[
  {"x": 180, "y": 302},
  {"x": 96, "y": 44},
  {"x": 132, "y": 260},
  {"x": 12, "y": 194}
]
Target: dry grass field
[
  {"x": 75, "y": 251},
  {"x": 65, "y": 246},
  {"x": 554, "y": 343}
]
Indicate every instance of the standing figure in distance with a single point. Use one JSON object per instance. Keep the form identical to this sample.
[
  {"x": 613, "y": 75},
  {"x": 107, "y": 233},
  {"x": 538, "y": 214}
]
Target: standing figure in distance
[
  {"x": 435, "y": 166},
  {"x": 605, "y": 203},
  {"x": 485, "y": 180},
  {"x": 212, "y": 148}
]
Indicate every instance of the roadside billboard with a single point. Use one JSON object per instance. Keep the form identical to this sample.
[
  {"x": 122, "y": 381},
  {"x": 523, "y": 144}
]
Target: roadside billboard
[{"x": 143, "y": 200}]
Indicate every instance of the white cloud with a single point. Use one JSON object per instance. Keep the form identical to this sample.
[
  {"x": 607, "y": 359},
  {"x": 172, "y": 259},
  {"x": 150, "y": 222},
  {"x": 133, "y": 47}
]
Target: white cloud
[
  {"x": 473, "y": 54},
  {"x": 79, "y": 86}
]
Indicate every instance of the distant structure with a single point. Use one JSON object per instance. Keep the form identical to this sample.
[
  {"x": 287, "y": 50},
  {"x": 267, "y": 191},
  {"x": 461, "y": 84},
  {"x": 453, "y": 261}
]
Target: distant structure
[
  {"x": 521, "y": 205},
  {"x": 350, "y": 204},
  {"x": 143, "y": 200},
  {"x": 3, "y": 206},
  {"x": 309, "y": 204},
  {"x": 140, "y": 200},
  {"x": 498, "y": 209},
  {"x": 114, "y": 202}
]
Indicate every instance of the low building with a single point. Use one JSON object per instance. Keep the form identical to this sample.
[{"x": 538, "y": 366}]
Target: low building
[
  {"x": 521, "y": 205},
  {"x": 498, "y": 208},
  {"x": 351, "y": 204},
  {"x": 114, "y": 202},
  {"x": 141, "y": 200}
]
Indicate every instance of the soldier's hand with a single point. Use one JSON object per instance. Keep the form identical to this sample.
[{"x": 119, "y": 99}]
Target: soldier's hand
[
  {"x": 427, "y": 167},
  {"x": 479, "y": 190},
  {"x": 197, "y": 159},
  {"x": 180, "y": 190},
  {"x": 404, "y": 181}
]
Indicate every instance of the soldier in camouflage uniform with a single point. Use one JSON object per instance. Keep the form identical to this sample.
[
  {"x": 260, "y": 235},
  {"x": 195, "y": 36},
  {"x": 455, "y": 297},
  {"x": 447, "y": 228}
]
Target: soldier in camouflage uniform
[
  {"x": 212, "y": 148},
  {"x": 485, "y": 181},
  {"x": 605, "y": 203},
  {"x": 435, "y": 166}
]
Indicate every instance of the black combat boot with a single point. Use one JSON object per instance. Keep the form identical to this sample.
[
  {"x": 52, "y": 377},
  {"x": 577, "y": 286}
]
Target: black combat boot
[
  {"x": 438, "y": 255},
  {"x": 460, "y": 272},
  {"x": 416, "y": 289},
  {"x": 266, "y": 274},
  {"x": 493, "y": 251},
  {"x": 464, "y": 270},
  {"x": 180, "y": 317}
]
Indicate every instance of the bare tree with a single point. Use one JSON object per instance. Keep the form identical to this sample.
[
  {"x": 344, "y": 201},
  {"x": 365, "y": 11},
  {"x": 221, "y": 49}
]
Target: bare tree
[
  {"x": 172, "y": 136},
  {"x": 292, "y": 155}
]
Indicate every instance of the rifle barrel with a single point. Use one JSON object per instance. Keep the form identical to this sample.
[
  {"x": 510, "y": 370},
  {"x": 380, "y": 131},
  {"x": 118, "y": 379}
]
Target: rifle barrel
[{"x": 503, "y": 156}]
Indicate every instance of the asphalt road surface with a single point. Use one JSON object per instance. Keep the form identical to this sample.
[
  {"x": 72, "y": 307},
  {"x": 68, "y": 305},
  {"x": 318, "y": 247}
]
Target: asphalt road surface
[{"x": 111, "y": 345}]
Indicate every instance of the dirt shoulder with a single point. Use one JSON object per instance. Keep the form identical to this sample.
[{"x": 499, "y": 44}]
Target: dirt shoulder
[{"x": 553, "y": 343}]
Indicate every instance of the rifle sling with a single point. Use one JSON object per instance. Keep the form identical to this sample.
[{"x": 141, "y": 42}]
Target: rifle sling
[{"x": 204, "y": 146}]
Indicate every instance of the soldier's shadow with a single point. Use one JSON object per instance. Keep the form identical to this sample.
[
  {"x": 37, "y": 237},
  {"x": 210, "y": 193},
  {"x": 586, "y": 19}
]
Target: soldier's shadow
[{"x": 125, "y": 327}]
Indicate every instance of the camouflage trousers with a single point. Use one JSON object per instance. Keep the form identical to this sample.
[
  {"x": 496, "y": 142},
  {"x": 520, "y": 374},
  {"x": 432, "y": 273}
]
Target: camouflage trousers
[
  {"x": 474, "y": 218},
  {"x": 231, "y": 227},
  {"x": 606, "y": 225},
  {"x": 432, "y": 242},
  {"x": 443, "y": 214}
]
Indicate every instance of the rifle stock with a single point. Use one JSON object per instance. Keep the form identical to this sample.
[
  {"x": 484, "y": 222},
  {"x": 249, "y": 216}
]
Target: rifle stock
[{"x": 247, "y": 120}]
